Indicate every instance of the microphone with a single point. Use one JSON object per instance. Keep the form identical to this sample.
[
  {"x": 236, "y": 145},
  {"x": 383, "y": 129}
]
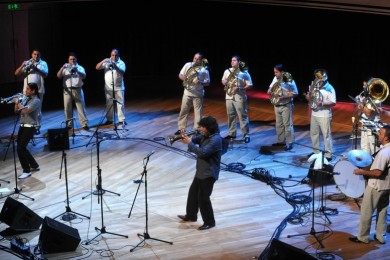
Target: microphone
[{"x": 150, "y": 154}]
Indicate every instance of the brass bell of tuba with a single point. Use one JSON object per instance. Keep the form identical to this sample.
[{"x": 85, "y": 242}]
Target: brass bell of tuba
[
  {"x": 232, "y": 79},
  {"x": 377, "y": 90}
]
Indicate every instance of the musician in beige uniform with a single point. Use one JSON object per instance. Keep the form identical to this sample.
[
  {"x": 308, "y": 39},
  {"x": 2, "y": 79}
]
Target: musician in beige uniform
[
  {"x": 236, "y": 81},
  {"x": 35, "y": 70},
  {"x": 282, "y": 91},
  {"x": 195, "y": 77}
]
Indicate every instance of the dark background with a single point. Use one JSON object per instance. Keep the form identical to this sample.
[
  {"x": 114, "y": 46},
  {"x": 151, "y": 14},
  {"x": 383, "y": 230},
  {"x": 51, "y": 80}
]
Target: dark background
[{"x": 156, "y": 39}]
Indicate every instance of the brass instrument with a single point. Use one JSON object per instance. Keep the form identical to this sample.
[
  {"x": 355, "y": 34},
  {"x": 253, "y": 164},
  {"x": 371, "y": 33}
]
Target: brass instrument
[
  {"x": 8, "y": 100},
  {"x": 192, "y": 73},
  {"x": 315, "y": 95},
  {"x": 28, "y": 66},
  {"x": 377, "y": 91},
  {"x": 232, "y": 79},
  {"x": 174, "y": 138},
  {"x": 276, "y": 89}
]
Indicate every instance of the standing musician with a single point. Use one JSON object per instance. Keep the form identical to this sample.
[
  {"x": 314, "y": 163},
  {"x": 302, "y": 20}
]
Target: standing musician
[
  {"x": 28, "y": 108},
  {"x": 35, "y": 70},
  {"x": 376, "y": 194},
  {"x": 282, "y": 91},
  {"x": 195, "y": 77},
  {"x": 369, "y": 115},
  {"x": 321, "y": 97},
  {"x": 236, "y": 81}
]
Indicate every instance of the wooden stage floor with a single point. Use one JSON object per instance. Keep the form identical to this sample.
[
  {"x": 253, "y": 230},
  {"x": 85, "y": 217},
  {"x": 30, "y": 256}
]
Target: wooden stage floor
[{"x": 258, "y": 197}]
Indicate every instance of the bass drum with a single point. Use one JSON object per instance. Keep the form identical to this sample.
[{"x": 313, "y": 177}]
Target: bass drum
[{"x": 350, "y": 184}]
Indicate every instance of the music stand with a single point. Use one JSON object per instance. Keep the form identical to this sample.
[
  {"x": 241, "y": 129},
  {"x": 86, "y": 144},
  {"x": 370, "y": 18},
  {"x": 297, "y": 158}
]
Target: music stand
[
  {"x": 68, "y": 215},
  {"x": 145, "y": 235},
  {"x": 100, "y": 192},
  {"x": 12, "y": 139}
]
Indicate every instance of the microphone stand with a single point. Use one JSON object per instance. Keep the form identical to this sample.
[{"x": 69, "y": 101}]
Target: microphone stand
[
  {"x": 12, "y": 139},
  {"x": 114, "y": 101},
  {"x": 100, "y": 192},
  {"x": 68, "y": 214},
  {"x": 145, "y": 235}
]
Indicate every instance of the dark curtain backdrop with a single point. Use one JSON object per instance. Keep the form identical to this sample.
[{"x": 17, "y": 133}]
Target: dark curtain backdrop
[{"x": 155, "y": 40}]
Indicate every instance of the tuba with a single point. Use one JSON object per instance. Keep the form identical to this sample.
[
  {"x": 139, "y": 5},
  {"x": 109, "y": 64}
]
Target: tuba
[
  {"x": 315, "y": 95},
  {"x": 192, "y": 73},
  {"x": 276, "y": 89},
  {"x": 232, "y": 79}
]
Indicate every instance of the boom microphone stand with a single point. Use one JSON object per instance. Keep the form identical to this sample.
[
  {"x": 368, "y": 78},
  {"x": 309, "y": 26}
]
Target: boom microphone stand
[
  {"x": 102, "y": 230},
  {"x": 12, "y": 139},
  {"x": 145, "y": 235},
  {"x": 68, "y": 215}
]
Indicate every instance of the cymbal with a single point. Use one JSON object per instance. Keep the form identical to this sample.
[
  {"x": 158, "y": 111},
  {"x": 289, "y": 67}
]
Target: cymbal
[{"x": 359, "y": 158}]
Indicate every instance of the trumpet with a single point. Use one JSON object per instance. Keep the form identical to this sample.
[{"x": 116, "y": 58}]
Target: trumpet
[
  {"x": 8, "y": 100},
  {"x": 174, "y": 138},
  {"x": 28, "y": 66}
]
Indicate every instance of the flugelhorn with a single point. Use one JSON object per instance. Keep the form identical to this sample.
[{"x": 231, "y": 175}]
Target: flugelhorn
[{"x": 175, "y": 138}]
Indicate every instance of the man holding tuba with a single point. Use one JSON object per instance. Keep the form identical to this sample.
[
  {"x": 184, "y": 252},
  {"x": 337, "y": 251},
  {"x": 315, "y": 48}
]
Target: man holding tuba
[
  {"x": 369, "y": 114},
  {"x": 321, "y": 97},
  {"x": 194, "y": 76},
  {"x": 282, "y": 91}
]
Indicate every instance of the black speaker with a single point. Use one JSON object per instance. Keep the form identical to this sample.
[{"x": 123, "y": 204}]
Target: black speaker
[
  {"x": 282, "y": 251},
  {"x": 56, "y": 237},
  {"x": 323, "y": 177},
  {"x": 58, "y": 139},
  {"x": 19, "y": 217}
]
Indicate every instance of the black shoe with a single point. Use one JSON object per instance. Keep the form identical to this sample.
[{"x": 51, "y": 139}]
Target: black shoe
[
  {"x": 329, "y": 159},
  {"x": 279, "y": 144},
  {"x": 205, "y": 227},
  {"x": 381, "y": 242},
  {"x": 86, "y": 127},
  {"x": 108, "y": 122},
  {"x": 229, "y": 137},
  {"x": 185, "y": 218},
  {"x": 288, "y": 147},
  {"x": 178, "y": 132},
  {"x": 356, "y": 240}
]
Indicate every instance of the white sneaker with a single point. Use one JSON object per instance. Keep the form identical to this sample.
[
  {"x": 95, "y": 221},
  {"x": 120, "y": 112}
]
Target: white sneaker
[{"x": 24, "y": 175}]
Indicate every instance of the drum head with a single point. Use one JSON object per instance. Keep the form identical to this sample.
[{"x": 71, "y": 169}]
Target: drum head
[{"x": 350, "y": 184}]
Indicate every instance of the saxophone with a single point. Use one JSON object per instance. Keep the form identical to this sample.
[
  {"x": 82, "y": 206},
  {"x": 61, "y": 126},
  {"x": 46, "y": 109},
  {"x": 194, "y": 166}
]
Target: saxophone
[
  {"x": 276, "y": 89},
  {"x": 192, "y": 73}
]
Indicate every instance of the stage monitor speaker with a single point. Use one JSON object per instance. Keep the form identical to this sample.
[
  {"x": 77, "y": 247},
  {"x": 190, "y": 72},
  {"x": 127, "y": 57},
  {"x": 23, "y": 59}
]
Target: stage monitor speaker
[
  {"x": 19, "y": 217},
  {"x": 57, "y": 237},
  {"x": 58, "y": 139},
  {"x": 282, "y": 251},
  {"x": 323, "y": 177}
]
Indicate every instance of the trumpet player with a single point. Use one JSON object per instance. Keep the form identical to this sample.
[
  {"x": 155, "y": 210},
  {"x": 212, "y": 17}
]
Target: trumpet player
[
  {"x": 114, "y": 87},
  {"x": 28, "y": 109},
  {"x": 35, "y": 70},
  {"x": 72, "y": 75}
]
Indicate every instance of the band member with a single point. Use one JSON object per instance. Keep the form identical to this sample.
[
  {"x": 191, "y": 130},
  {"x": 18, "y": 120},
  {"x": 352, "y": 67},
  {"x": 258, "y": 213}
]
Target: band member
[
  {"x": 282, "y": 91},
  {"x": 114, "y": 87},
  {"x": 207, "y": 147},
  {"x": 376, "y": 194},
  {"x": 321, "y": 97},
  {"x": 369, "y": 115},
  {"x": 28, "y": 108},
  {"x": 35, "y": 70},
  {"x": 72, "y": 75},
  {"x": 236, "y": 81},
  {"x": 195, "y": 77}
]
